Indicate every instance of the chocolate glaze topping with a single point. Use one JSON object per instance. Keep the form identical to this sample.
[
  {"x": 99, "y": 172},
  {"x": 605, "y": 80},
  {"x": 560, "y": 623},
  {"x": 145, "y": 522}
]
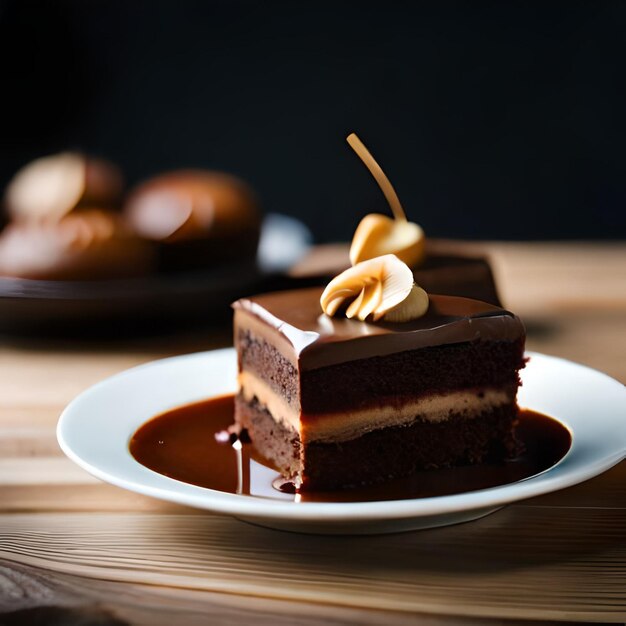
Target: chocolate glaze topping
[{"x": 320, "y": 341}]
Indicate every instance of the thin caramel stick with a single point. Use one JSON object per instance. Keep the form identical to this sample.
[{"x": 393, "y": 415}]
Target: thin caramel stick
[{"x": 380, "y": 176}]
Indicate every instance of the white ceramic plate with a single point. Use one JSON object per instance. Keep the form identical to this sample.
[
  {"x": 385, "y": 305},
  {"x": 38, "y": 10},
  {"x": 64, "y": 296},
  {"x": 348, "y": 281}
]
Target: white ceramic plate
[{"x": 94, "y": 431}]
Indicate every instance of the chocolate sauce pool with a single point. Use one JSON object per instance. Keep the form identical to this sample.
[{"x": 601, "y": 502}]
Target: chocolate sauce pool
[{"x": 190, "y": 444}]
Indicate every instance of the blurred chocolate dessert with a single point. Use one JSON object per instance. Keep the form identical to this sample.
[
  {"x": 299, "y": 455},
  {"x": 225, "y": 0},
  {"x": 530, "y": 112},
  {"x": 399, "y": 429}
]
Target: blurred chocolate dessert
[
  {"x": 53, "y": 186},
  {"x": 199, "y": 218},
  {"x": 87, "y": 244}
]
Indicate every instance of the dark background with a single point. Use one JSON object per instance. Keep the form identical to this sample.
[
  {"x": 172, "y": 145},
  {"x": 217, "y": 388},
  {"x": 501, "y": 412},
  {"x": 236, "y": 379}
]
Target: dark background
[{"x": 493, "y": 119}]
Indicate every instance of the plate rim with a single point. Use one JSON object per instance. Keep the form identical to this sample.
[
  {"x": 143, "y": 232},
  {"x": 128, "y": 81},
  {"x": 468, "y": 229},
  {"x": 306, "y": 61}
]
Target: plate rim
[{"x": 265, "y": 508}]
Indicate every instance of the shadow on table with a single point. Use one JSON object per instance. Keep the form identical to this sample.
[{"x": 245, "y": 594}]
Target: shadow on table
[{"x": 515, "y": 538}]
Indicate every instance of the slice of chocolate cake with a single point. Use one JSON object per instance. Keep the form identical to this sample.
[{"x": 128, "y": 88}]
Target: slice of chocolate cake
[{"x": 337, "y": 402}]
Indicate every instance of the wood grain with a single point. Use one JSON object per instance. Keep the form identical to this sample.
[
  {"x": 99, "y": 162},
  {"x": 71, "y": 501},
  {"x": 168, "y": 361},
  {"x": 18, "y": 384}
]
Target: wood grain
[
  {"x": 571, "y": 566},
  {"x": 75, "y": 550},
  {"x": 78, "y": 601}
]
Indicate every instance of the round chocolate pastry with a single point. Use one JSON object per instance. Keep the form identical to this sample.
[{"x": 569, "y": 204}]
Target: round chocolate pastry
[
  {"x": 51, "y": 187},
  {"x": 199, "y": 218},
  {"x": 89, "y": 244}
]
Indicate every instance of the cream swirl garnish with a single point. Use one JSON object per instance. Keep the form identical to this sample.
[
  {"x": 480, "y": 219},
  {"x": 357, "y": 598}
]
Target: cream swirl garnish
[
  {"x": 382, "y": 288},
  {"x": 378, "y": 234}
]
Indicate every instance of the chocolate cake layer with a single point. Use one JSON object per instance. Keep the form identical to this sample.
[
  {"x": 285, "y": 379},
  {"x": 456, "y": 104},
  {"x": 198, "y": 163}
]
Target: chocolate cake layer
[
  {"x": 274, "y": 441},
  {"x": 293, "y": 323},
  {"x": 379, "y": 379},
  {"x": 264, "y": 360},
  {"x": 385, "y": 453},
  {"x": 412, "y": 374},
  {"x": 402, "y": 450}
]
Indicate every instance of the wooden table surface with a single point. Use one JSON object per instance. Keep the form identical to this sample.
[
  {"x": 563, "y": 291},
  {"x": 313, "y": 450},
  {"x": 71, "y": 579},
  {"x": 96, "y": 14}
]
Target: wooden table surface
[{"x": 74, "y": 550}]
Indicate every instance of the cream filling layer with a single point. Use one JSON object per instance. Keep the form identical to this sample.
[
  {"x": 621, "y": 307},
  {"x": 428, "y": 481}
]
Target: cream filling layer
[
  {"x": 346, "y": 425},
  {"x": 251, "y": 386}
]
